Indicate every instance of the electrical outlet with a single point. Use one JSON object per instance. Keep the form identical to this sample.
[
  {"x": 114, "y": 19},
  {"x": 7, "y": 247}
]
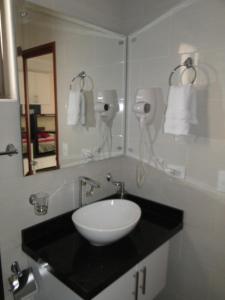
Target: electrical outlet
[
  {"x": 221, "y": 181},
  {"x": 176, "y": 171}
]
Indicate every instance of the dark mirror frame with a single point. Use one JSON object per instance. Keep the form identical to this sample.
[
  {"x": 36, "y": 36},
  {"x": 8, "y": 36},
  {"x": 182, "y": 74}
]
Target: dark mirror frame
[{"x": 49, "y": 48}]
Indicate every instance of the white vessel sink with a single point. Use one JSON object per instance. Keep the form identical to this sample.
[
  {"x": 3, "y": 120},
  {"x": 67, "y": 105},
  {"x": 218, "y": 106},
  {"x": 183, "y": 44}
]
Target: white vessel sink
[{"x": 107, "y": 221}]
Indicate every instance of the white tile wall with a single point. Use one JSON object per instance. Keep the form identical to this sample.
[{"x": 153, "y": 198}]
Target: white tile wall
[
  {"x": 194, "y": 30},
  {"x": 197, "y": 255}
]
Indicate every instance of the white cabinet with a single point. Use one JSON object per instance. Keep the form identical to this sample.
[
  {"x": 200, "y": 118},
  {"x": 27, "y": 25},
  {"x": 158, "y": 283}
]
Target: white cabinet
[
  {"x": 143, "y": 282},
  {"x": 153, "y": 271},
  {"x": 123, "y": 288}
]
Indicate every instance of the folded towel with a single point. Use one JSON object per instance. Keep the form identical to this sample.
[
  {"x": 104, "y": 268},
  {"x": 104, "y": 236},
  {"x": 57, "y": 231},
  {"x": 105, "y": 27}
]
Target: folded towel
[
  {"x": 82, "y": 109},
  {"x": 181, "y": 110},
  {"x": 90, "y": 112},
  {"x": 76, "y": 112},
  {"x": 73, "y": 111}
]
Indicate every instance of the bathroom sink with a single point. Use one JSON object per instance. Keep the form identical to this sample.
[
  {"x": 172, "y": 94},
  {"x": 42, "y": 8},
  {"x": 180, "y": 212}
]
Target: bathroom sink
[{"x": 107, "y": 221}]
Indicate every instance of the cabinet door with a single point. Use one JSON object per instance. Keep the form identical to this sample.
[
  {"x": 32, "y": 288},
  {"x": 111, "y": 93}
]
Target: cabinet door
[
  {"x": 125, "y": 288},
  {"x": 153, "y": 272}
]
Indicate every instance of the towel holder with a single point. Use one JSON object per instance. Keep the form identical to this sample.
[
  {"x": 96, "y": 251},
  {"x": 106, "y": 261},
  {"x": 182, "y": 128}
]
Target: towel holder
[
  {"x": 82, "y": 75},
  {"x": 188, "y": 63},
  {"x": 10, "y": 150}
]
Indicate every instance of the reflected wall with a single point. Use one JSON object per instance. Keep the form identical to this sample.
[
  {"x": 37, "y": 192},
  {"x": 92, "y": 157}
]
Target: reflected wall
[{"x": 79, "y": 47}]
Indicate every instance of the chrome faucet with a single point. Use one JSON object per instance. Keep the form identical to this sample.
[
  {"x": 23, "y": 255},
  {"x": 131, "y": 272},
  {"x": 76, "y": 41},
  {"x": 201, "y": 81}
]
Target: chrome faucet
[
  {"x": 120, "y": 185},
  {"x": 83, "y": 193}
]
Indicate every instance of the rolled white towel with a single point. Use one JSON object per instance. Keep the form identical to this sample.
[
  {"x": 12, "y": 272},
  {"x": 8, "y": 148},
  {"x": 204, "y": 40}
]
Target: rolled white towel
[
  {"x": 73, "y": 111},
  {"x": 82, "y": 109},
  {"x": 181, "y": 110}
]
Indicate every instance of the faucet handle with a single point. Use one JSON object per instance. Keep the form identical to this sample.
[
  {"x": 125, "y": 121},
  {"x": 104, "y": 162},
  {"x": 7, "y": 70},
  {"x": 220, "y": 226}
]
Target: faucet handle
[
  {"x": 109, "y": 176},
  {"x": 120, "y": 185},
  {"x": 15, "y": 268},
  {"x": 13, "y": 283}
]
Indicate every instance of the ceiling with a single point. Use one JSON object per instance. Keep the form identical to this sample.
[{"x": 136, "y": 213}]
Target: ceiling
[
  {"x": 137, "y": 13},
  {"x": 123, "y": 16}
]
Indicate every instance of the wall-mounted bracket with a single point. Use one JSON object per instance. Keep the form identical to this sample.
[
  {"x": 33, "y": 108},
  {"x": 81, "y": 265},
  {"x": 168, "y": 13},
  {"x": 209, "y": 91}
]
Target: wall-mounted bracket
[{"x": 10, "y": 150}]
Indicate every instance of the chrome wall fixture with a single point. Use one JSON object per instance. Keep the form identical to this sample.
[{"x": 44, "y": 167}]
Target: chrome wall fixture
[
  {"x": 82, "y": 76},
  {"x": 120, "y": 185},
  {"x": 22, "y": 282},
  {"x": 10, "y": 150},
  {"x": 188, "y": 64},
  {"x": 83, "y": 192},
  {"x": 40, "y": 202}
]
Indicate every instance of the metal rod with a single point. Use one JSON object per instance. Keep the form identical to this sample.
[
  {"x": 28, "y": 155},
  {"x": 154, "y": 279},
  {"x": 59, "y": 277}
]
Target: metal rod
[
  {"x": 143, "y": 287},
  {"x": 188, "y": 63},
  {"x": 82, "y": 76},
  {"x": 10, "y": 150},
  {"x": 135, "y": 293}
]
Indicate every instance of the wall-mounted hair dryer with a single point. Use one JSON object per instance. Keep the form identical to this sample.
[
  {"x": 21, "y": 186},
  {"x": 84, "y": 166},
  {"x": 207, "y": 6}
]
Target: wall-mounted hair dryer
[
  {"x": 145, "y": 110},
  {"x": 145, "y": 105},
  {"x": 107, "y": 105}
]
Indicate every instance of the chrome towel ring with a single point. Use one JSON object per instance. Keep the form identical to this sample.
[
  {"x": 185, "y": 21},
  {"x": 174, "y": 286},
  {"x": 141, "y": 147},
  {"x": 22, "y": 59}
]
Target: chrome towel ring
[
  {"x": 188, "y": 63},
  {"x": 82, "y": 76}
]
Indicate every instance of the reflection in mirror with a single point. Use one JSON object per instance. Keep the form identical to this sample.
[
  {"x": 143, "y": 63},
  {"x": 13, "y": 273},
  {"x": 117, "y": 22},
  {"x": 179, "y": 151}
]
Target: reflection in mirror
[
  {"x": 91, "y": 68},
  {"x": 38, "y": 108}
]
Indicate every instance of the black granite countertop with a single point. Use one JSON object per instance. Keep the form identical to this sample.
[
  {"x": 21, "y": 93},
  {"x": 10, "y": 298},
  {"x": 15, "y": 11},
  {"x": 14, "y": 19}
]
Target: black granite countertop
[{"x": 87, "y": 269}]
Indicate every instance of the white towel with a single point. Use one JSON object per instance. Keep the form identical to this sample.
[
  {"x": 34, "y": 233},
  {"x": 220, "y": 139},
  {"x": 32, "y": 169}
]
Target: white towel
[
  {"x": 76, "y": 112},
  {"x": 181, "y": 110},
  {"x": 90, "y": 112},
  {"x": 82, "y": 109}
]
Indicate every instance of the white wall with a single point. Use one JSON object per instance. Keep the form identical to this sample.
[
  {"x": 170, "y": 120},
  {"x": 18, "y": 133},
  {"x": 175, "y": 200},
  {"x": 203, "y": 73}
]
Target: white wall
[{"x": 194, "y": 29}]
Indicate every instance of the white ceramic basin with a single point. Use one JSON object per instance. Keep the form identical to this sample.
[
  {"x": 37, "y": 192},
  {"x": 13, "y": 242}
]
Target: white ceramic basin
[{"x": 107, "y": 221}]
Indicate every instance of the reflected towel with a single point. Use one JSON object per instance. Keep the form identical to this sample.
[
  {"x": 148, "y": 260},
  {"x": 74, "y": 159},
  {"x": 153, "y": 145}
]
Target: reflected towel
[
  {"x": 90, "y": 112},
  {"x": 76, "y": 112},
  {"x": 82, "y": 109},
  {"x": 73, "y": 111},
  {"x": 181, "y": 110}
]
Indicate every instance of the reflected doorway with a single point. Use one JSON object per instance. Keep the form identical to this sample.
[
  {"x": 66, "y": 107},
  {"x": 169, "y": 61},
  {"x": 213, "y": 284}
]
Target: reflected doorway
[{"x": 38, "y": 104}]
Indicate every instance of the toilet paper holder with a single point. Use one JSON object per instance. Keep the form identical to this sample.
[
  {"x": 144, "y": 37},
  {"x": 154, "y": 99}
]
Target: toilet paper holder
[{"x": 22, "y": 282}]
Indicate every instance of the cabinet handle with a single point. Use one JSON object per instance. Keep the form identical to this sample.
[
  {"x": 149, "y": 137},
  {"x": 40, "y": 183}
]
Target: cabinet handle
[
  {"x": 135, "y": 293},
  {"x": 143, "y": 287}
]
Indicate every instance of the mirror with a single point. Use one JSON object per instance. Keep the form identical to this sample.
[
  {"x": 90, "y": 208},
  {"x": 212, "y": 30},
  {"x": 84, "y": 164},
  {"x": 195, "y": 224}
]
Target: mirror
[
  {"x": 37, "y": 82},
  {"x": 87, "y": 121}
]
